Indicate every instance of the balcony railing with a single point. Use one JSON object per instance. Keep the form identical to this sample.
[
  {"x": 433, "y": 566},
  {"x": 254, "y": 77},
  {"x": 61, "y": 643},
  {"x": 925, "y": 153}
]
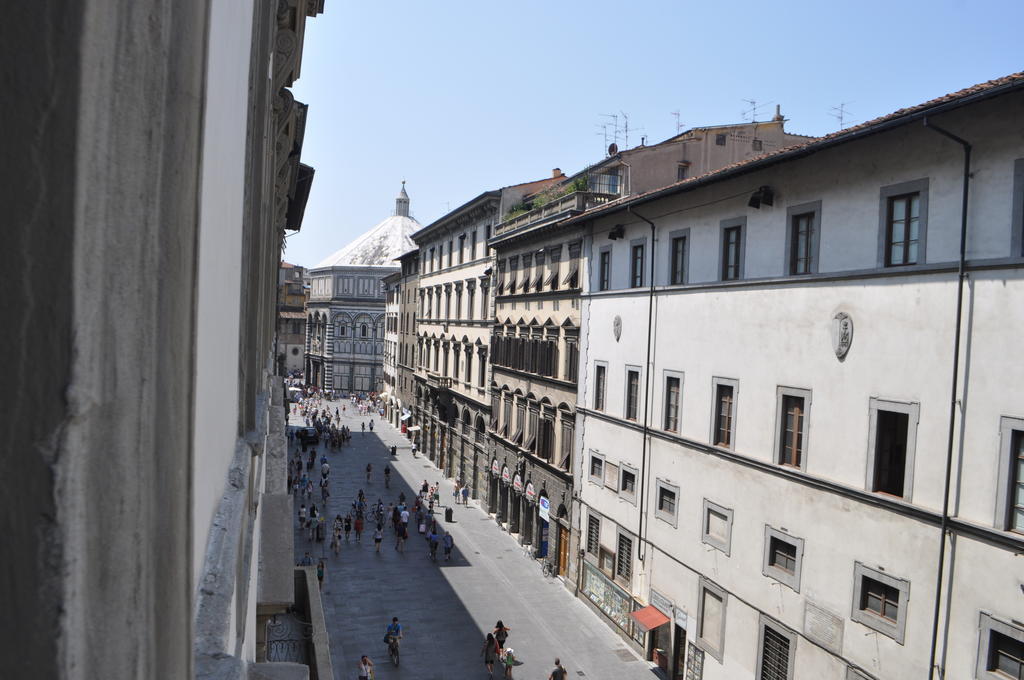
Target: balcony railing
[{"x": 560, "y": 208}]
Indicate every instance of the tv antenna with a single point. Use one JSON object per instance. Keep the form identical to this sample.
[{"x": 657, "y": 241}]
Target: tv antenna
[
  {"x": 754, "y": 109},
  {"x": 679, "y": 123},
  {"x": 840, "y": 113}
]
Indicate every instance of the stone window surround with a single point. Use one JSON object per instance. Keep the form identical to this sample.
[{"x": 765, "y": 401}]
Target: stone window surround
[
  {"x": 740, "y": 222},
  {"x": 666, "y": 374},
  {"x": 780, "y": 393},
  {"x": 604, "y": 387},
  {"x": 884, "y": 194},
  {"x": 1017, "y": 211},
  {"x": 735, "y": 384},
  {"x": 706, "y": 585},
  {"x": 791, "y": 580},
  {"x": 895, "y": 630},
  {"x": 644, "y": 274},
  {"x": 673, "y": 518},
  {"x": 629, "y": 497},
  {"x": 597, "y": 284},
  {"x": 592, "y": 478},
  {"x": 768, "y": 622},
  {"x": 1004, "y": 488},
  {"x": 726, "y": 545},
  {"x": 987, "y": 624},
  {"x": 673, "y": 235},
  {"x": 625, "y": 392},
  {"x": 913, "y": 411},
  {"x": 791, "y": 212}
]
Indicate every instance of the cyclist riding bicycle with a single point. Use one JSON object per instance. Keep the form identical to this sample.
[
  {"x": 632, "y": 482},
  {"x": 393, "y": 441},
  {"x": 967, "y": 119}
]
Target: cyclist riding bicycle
[{"x": 394, "y": 632}]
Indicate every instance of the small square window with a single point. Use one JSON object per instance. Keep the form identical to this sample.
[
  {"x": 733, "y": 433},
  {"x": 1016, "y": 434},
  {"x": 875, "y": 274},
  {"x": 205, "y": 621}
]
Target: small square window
[
  {"x": 880, "y": 601},
  {"x": 682, "y": 170},
  {"x": 756, "y": 145},
  {"x": 720, "y": 139},
  {"x": 783, "y": 557},
  {"x": 1010, "y": 491},
  {"x": 627, "y": 483},
  {"x": 1000, "y": 649},
  {"x": 597, "y": 468},
  {"x": 716, "y": 525},
  {"x": 666, "y": 502}
]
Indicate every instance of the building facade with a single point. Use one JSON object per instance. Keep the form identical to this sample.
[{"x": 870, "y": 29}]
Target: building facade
[
  {"x": 392, "y": 292},
  {"x": 800, "y": 451},
  {"x": 291, "y": 318},
  {"x": 403, "y": 395},
  {"x": 345, "y": 316},
  {"x": 166, "y": 174}
]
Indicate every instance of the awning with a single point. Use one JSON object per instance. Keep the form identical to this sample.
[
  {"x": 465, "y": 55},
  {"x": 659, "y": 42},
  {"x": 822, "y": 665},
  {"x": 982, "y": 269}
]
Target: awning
[
  {"x": 291, "y": 315},
  {"x": 414, "y": 428},
  {"x": 650, "y": 617}
]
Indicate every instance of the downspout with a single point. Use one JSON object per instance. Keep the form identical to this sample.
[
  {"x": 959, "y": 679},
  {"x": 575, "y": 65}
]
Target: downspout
[
  {"x": 647, "y": 393},
  {"x": 961, "y": 276}
]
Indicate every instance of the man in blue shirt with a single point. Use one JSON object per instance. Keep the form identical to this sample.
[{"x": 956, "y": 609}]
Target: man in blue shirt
[{"x": 394, "y": 631}]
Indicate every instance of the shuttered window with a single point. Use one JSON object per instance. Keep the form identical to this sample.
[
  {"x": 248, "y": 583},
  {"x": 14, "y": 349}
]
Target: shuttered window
[
  {"x": 593, "y": 534},
  {"x": 774, "y": 656}
]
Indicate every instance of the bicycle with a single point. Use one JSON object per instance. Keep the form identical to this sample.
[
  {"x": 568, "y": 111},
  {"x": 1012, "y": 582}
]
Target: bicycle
[
  {"x": 393, "y": 649},
  {"x": 548, "y": 568}
]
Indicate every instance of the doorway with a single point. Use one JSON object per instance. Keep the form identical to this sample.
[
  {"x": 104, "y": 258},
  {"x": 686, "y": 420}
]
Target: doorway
[
  {"x": 563, "y": 550},
  {"x": 679, "y": 654}
]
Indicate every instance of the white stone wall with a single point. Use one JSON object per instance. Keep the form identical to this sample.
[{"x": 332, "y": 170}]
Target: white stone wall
[{"x": 776, "y": 333}]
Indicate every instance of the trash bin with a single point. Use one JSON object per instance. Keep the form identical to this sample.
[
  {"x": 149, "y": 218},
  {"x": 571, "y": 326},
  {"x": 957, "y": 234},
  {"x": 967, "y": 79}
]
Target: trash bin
[{"x": 448, "y": 512}]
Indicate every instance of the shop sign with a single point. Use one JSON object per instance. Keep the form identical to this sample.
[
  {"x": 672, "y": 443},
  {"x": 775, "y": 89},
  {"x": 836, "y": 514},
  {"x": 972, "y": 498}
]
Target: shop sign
[
  {"x": 661, "y": 602},
  {"x": 531, "y": 493},
  {"x": 505, "y": 474},
  {"x": 495, "y": 469},
  {"x": 681, "y": 618},
  {"x": 517, "y": 483},
  {"x": 544, "y": 505}
]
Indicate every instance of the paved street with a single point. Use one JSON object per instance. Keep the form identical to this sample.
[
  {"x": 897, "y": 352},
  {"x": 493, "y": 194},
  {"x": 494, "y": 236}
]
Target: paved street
[{"x": 446, "y": 608}]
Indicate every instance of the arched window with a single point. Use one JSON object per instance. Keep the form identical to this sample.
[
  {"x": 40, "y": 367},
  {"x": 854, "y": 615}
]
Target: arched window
[{"x": 363, "y": 330}]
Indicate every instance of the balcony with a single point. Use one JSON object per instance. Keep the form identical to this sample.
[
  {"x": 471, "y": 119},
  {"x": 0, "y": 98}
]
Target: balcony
[
  {"x": 557, "y": 209},
  {"x": 438, "y": 381}
]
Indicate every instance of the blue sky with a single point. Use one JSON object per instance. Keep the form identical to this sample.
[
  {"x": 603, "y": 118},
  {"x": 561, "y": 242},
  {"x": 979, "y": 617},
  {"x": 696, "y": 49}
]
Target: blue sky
[{"x": 459, "y": 97}]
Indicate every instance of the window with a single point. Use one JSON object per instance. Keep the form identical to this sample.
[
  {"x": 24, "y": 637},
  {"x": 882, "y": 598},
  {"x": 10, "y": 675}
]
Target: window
[
  {"x": 776, "y": 651},
  {"x": 600, "y": 383},
  {"x": 1000, "y": 649},
  {"x": 891, "y": 442},
  {"x": 711, "y": 605},
  {"x": 636, "y": 266},
  {"x": 1010, "y": 491},
  {"x": 624, "y": 559},
  {"x": 677, "y": 259},
  {"x": 880, "y": 601},
  {"x": 783, "y": 557},
  {"x": 593, "y": 534},
  {"x": 792, "y": 418},
  {"x": 756, "y": 145},
  {"x": 720, "y": 140},
  {"x": 632, "y": 392},
  {"x": 717, "y": 526},
  {"x": 597, "y": 468},
  {"x": 903, "y": 223},
  {"x": 682, "y": 170},
  {"x": 565, "y": 462},
  {"x": 1017, "y": 213},
  {"x": 666, "y": 506},
  {"x": 462, "y": 248},
  {"x": 627, "y": 483},
  {"x": 673, "y": 388},
  {"x": 723, "y": 421},
  {"x": 604, "y": 269},
  {"x": 802, "y": 239},
  {"x": 472, "y": 245},
  {"x": 732, "y": 250},
  {"x": 450, "y": 249},
  {"x": 363, "y": 330}
]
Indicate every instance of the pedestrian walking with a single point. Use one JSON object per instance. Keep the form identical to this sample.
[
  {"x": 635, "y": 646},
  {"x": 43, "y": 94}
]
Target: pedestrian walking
[
  {"x": 336, "y": 535},
  {"x": 306, "y": 560},
  {"x": 364, "y": 667},
  {"x": 359, "y": 528},
  {"x": 302, "y": 516},
  {"x": 449, "y": 543},
  {"x": 465, "y": 495},
  {"x": 432, "y": 541},
  {"x": 509, "y": 658},
  {"x": 501, "y": 632},
  {"x": 320, "y": 573},
  {"x": 378, "y": 536},
  {"x": 403, "y": 534},
  {"x": 559, "y": 672},
  {"x": 490, "y": 653}
]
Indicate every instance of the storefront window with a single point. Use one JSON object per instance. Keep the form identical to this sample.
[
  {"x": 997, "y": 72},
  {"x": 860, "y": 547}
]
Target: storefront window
[{"x": 610, "y": 599}]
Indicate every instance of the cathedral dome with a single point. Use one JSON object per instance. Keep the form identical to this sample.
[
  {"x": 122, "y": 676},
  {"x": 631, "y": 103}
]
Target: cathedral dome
[{"x": 383, "y": 243}]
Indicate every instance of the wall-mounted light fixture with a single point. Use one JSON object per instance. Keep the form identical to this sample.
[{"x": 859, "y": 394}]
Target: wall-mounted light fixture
[
  {"x": 618, "y": 232},
  {"x": 763, "y": 196}
]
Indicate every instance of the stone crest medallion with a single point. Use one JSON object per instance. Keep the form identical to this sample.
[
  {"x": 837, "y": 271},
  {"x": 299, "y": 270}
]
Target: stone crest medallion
[
  {"x": 842, "y": 334},
  {"x": 617, "y": 327}
]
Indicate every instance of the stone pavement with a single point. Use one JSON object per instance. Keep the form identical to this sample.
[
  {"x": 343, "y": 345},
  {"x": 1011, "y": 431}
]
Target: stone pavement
[{"x": 446, "y": 608}]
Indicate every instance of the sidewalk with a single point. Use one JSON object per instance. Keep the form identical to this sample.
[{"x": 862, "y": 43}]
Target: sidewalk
[{"x": 446, "y": 608}]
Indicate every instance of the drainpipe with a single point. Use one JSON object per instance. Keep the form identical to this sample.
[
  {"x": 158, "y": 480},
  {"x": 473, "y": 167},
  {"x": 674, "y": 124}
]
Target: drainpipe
[
  {"x": 647, "y": 393},
  {"x": 961, "y": 276}
]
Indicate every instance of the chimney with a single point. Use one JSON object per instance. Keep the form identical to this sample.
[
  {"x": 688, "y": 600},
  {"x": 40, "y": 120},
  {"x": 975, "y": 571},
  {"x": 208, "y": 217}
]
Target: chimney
[
  {"x": 556, "y": 173},
  {"x": 778, "y": 114}
]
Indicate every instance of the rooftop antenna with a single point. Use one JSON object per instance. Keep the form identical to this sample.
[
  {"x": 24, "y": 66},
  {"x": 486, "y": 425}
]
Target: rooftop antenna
[
  {"x": 840, "y": 113},
  {"x": 614, "y": 118},
  {"x": 754, "y": 109},
  {"x": 679, "y": 123},
  {"x": 603, "y": 133}
]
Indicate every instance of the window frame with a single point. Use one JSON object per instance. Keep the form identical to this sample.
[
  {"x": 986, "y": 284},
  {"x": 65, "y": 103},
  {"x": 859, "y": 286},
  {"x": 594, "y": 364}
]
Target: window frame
[
  {"x": 726, "y": 545},
  {"x": 669, "y": 518},
  {"x": 601, "y": 387},
  {"x": 706, "y": 585},
  {"x": 618, "y": 576},
  {"x": 814, "y": 247},
  {"x": 604, "y": 268},
  {"x": 625, "y": 393},
  {"x": 913, "y": 413},
  {"x": 629, "y": 496},
  {"x": 1006, "y": 476},
  {"x": 666, "y": 375},
  {"x": 724, "y": 227},
  {"x": 919, "y": 186},
  {"x": 592, "y": 516},
  {"x": 781, "y": 392},
  {"x": 715, "y": 383},
  {"x": 782, "y": 631},
  {"x": 895, "y": 630},
  {"x": 638, "y": 267},
  {"x": 1017, "y": 210},
  {"x": 986, "y": 625},
  {"x": 596, "y": 479},
  {"x": 671, "y": 268},
  {"x": 792, "y": 580}
]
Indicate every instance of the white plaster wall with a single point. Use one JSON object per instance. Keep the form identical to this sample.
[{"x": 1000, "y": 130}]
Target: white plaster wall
[
  {"x": 220, "y": 242},
  {"x": 771, "y": 335}
]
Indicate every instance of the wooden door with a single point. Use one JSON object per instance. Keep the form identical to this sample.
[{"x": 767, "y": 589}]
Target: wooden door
[{"x": 563, "y": 550}]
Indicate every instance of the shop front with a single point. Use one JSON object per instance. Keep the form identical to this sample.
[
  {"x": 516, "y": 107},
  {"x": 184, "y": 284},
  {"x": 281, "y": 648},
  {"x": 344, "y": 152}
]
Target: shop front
[
  {"x": 504, "y": 493},
  {"x": 612, "y": 601},
  {"x": 493, "y": 492}
]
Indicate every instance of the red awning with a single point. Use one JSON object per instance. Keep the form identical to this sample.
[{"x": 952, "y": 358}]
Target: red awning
[{"x": 650, "y": 617}]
